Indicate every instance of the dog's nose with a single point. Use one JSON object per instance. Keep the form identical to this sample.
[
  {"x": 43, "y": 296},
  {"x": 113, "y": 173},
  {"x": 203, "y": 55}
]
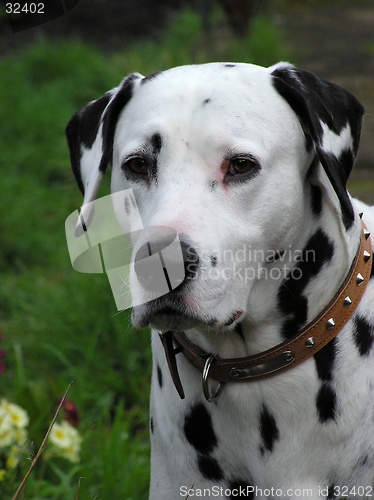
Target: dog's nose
[
  {"x": 190, "y": 261},
  {"x": 165, "y": 256}
]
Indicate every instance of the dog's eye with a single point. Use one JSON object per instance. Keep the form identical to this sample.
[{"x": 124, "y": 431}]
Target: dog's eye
[
  {"x": 136, "y": 165},
  {"x": 241, "y": 166}
]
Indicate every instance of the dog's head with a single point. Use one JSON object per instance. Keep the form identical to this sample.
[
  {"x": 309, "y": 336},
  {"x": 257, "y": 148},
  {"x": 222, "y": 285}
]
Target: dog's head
[{"x": 225, "y": 155}]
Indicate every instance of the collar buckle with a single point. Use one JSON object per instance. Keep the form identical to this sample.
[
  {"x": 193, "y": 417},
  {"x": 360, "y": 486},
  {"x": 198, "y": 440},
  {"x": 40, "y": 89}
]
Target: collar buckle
[{"x": 210, "y": 396}]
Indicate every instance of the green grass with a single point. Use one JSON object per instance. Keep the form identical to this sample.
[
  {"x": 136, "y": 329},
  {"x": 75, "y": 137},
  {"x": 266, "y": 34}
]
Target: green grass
[{"x": 58, "y": 325}]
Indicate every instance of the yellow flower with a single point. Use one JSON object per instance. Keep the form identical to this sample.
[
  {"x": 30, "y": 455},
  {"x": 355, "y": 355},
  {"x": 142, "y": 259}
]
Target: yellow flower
[
  {"x": 6, "y": 429},
  {"x": 20, "y": 436},
  {"x": 65, "y": 441},
  {"x": 13, "y": 457},
  {"x": 19, "y": 416}
]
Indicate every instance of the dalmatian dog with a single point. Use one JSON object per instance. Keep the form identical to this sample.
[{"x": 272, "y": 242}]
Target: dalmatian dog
[{"x": 248, "y": 165}]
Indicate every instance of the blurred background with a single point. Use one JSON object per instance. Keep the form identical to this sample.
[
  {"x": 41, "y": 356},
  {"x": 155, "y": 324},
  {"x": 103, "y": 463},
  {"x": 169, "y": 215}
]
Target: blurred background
[{"x": 59, "y": 326}]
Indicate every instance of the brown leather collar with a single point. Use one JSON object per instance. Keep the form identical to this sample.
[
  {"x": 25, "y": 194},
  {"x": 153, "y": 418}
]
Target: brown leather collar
[{"x": 285, "y": 355}]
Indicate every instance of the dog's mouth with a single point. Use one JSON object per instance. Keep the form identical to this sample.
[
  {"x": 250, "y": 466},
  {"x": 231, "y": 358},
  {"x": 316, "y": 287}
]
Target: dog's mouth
[
  {"x": 176, "y": 316},
  {"x": 164, "y": 317}
]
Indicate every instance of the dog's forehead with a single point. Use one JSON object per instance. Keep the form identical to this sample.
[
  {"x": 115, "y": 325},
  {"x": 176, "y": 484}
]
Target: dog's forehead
[
  {"x": 204, "y": 84},
  {"x": 231, "y": 96},
  {"x": 209, "y": 75}
]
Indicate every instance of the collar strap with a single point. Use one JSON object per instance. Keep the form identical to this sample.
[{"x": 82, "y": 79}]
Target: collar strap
[{"x": 285, "y": 355}]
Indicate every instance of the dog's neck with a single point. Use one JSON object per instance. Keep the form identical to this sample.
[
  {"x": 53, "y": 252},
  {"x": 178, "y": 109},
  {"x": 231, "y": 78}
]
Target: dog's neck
[{"x": 278, "y": 309}]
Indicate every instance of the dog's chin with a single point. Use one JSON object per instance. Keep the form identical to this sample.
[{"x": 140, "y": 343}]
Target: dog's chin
[
  {"x": 164, "y": 319},
  {"x": 173, "y": 322},
  {"x": 178, "y": 318}
]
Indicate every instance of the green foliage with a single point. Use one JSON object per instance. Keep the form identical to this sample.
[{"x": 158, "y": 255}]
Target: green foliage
[
  {"x": 298, "y": 4},
  {"x": 58, "y": 325},
  {"x": 186, "y": 43}
]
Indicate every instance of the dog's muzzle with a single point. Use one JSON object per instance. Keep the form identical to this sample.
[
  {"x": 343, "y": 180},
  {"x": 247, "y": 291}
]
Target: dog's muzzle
[
  {"x": 179, "y": 262},
  {"x": 165, "y": 266}
]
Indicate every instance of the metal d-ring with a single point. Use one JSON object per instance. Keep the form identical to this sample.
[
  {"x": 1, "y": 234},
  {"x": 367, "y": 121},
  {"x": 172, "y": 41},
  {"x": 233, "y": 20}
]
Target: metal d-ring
[{"x": 213, "y": 396}]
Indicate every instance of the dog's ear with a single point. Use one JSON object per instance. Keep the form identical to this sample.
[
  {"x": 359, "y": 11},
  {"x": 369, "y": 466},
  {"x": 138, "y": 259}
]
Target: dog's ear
[
  {"x": 331, "y": 118},
  {"x": 90, "y": 134}
]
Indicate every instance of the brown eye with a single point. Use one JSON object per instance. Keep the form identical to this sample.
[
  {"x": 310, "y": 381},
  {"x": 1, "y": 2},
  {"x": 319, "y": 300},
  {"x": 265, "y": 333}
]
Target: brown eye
[
  {"x": 240, "y": 166},
  {"x": 136, "y": 165}
]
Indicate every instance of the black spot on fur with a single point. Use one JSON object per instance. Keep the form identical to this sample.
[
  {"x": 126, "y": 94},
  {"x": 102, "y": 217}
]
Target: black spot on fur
[
  {"x": 159, "y": 377},
  {"x": 326, "y": 397},
  {"x": 151, "y": 77},
  {"x": 230, "y": 65},
  {"x": 363, "y": 335},
  {"x": 240, "y": 489},
  {"x": 324, "y": 360},
  {"x": 209, "y": 468},
  {"x": 156, "y": 142},
  {"x": 326, "y": 403},
  {"x": 111, "y": 117},
  {"x": 268, "y": 429},
  {"x": 91, "y": 120},
  {"x": 206, "y": 101},
  {"x": 291, "y": 301},
  {"x": 316, "y": 199},
  {"x": 213, "y": 260},
  {"x": 364, "y": 460},
  {"x": 330, "y": 492},
  {"x": 151, "y": 425},
  {"x": 213, "y": 185},
  {"x": 198, "y": 429}
]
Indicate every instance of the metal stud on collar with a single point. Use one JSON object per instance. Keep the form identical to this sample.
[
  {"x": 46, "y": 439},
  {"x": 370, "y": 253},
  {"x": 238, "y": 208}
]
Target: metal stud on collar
[
  {"x": 310, "y": 342},
  {"x": 367, "y": 256},
  {"x": 359, "y": 279},
  {"x": 210, "y": 396},
  {"x": 347, "y": 301},
  {"x": 330, "y": 323}
]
